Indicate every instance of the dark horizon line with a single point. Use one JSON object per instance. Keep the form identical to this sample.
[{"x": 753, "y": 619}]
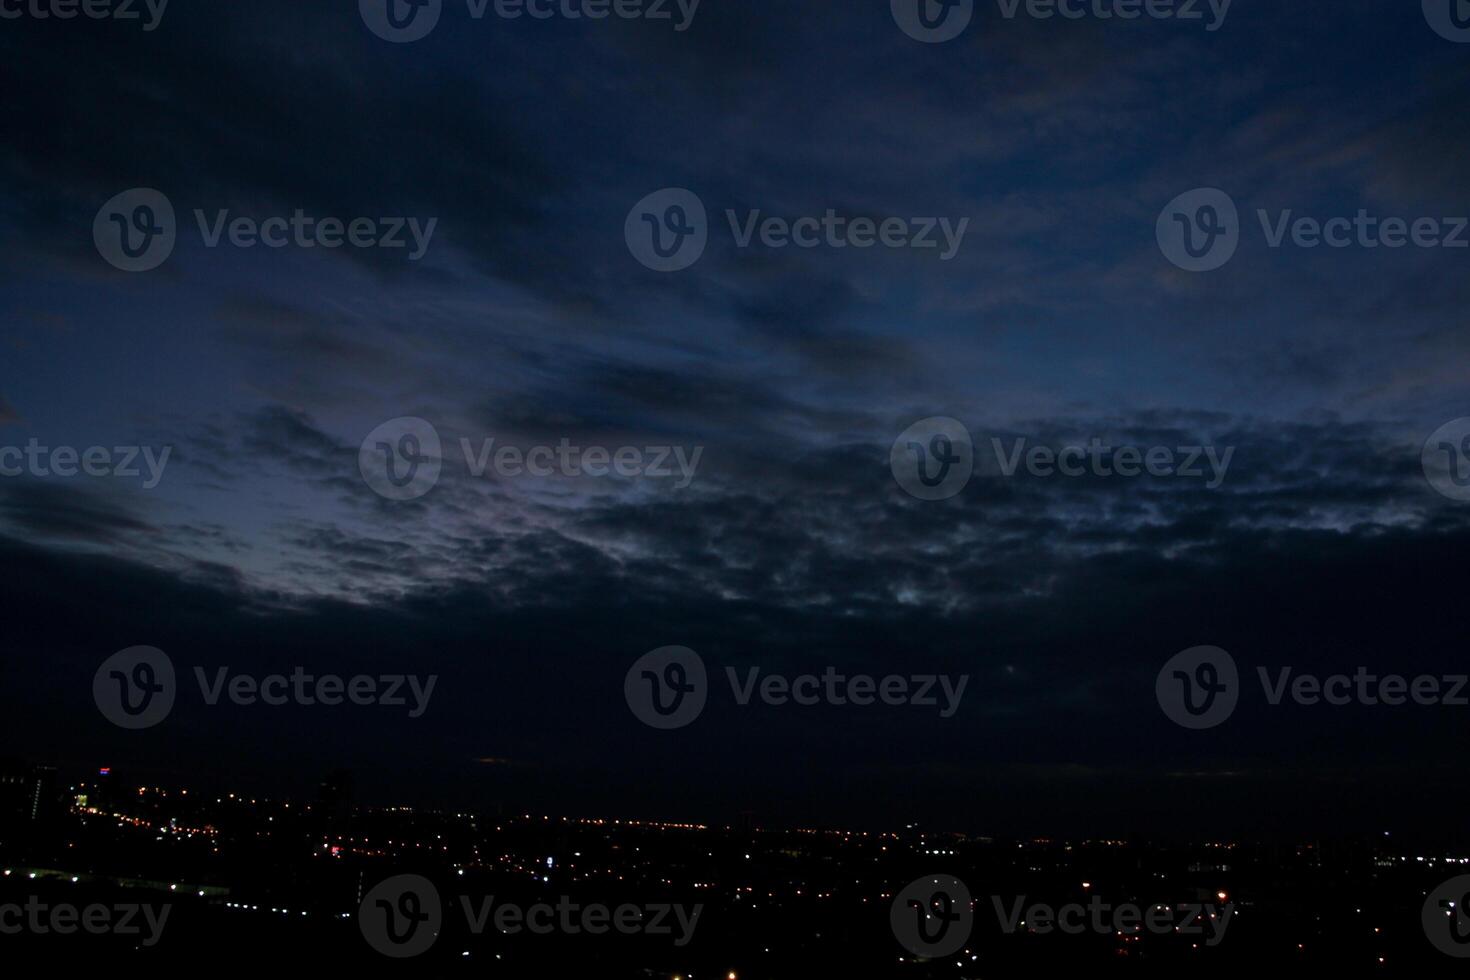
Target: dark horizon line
[{"x": 512, "y": 813}]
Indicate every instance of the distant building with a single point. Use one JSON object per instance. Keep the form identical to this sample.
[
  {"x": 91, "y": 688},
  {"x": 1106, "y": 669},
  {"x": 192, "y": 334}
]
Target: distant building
[
  {"x": 28, "y": 794},
  {"x": 14, "y": 791},
  {"x": 99, "y": 793},
  {"x": 335, "y": 793},
  {"x": 44, "y": 802}
]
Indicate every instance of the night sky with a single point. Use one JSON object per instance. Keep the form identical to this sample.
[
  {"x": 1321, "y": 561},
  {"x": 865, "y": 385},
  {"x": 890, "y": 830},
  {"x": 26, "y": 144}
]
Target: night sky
[{"x": 793, "y": 548}]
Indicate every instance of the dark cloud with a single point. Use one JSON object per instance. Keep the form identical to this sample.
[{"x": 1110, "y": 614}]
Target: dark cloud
[
  {"x": 52, "y": 509},
  {"x": 528, "y": 322},
  {"x": 1060, "y": 615}
]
